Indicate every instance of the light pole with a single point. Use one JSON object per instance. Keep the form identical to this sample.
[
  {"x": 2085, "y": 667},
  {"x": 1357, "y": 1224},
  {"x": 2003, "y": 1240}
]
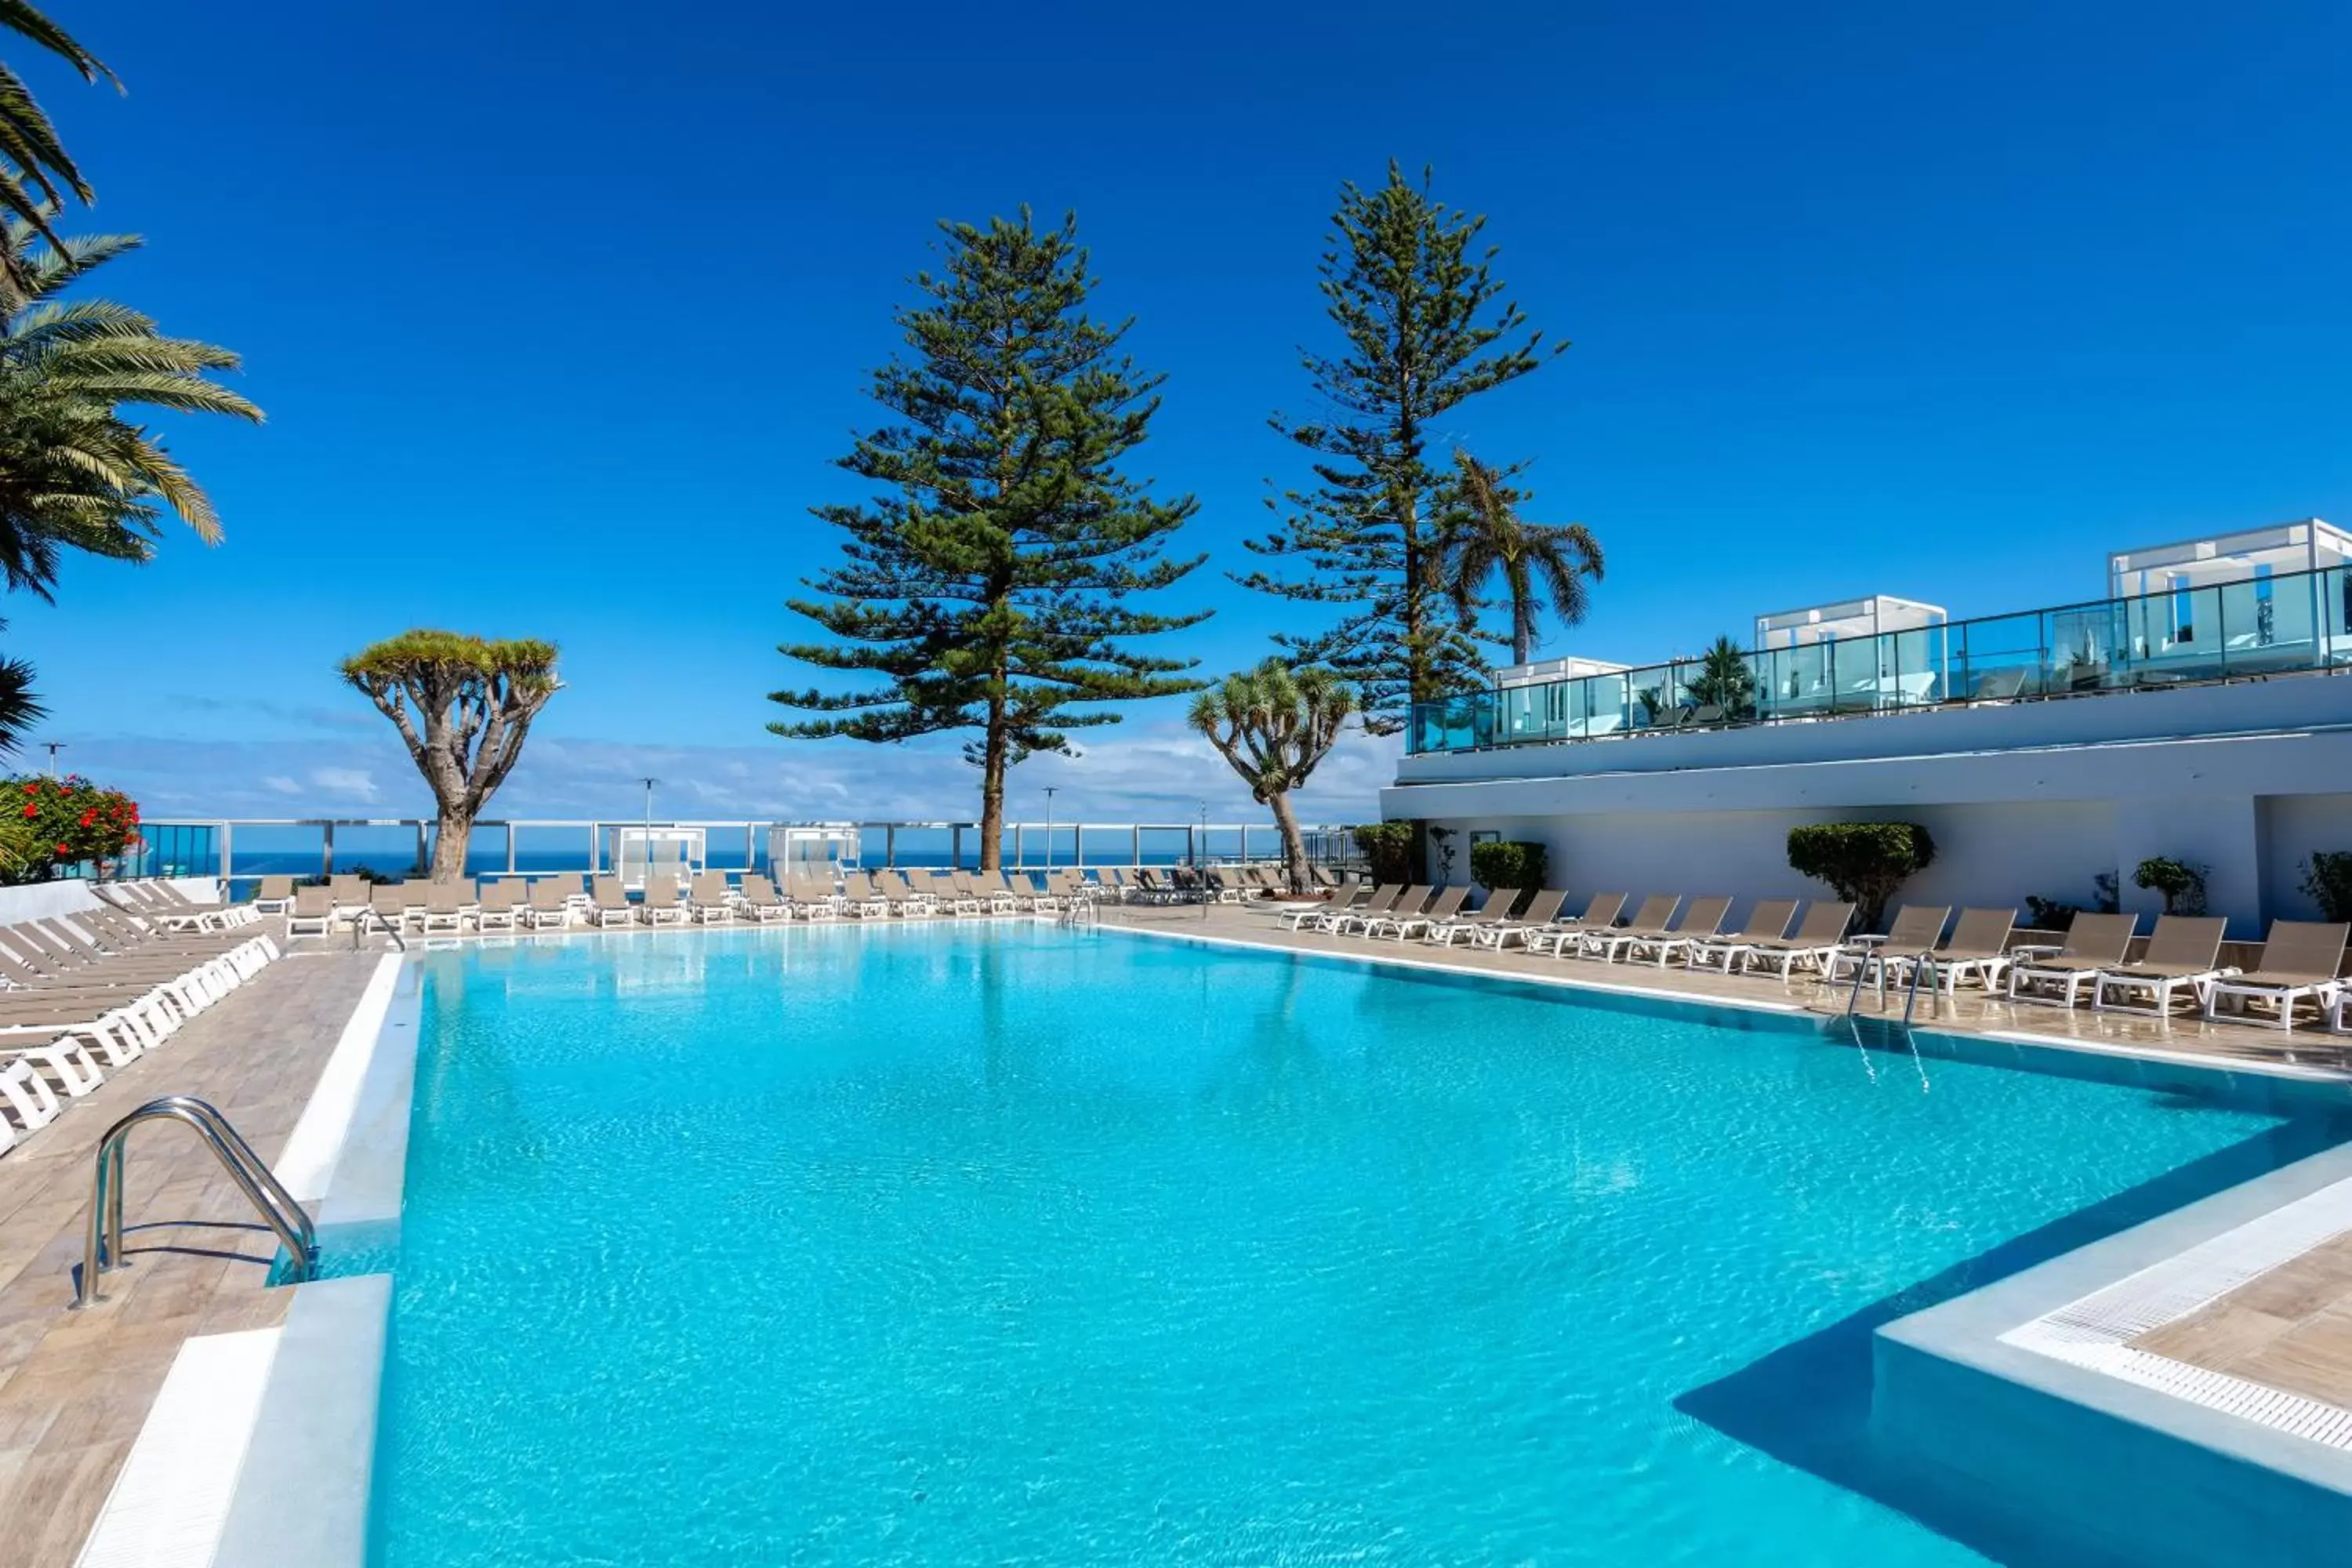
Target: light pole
[
  {"x": 645, "y": 849},
  {"x": 52, "y": 747},
  {"x": 1049, "y": 828}
]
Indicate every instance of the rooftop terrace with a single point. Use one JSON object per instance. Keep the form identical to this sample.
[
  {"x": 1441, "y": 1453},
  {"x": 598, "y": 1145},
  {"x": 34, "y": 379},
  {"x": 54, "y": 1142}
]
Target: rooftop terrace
[{"x": 2250, "y": 606}]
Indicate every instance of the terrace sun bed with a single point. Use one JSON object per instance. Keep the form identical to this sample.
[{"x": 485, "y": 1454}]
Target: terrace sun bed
[
  {"x": 710, "y": 900},
  {"x": 1978, "y": 949},
  {"x": 2181, "y": 956},
  {"x": 1768, "y": 921},
  {"x": 1345, "y": 899},
  {"x": 1915, "y": 929},
  {"x": 1607, "y": 945},
  {"x": 314, "y": 908},
  {"x": 1702, "y": 919},
  {"x": 1541, "y": 911},
  {"x": 756, "y": 899},
  {"x": 2303, "y": 960},
  {"x": 608, "y": 905},
  {"x": 274, "y": 896},
  {"x": 499, "y": 906},
  {"x": 1492, "y": 910},
  {"x": 1340, "y": 923},
  {"x": 547, "y": 904},
  {"x": 2092, "y": 942},
  {"x": 1413, "y": 915},
  {"x": 1599, "y": 913},
  {"x": 813, "y": 899}
]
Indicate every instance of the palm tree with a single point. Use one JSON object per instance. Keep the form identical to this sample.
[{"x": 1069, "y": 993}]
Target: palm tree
[
  {"x": 1725, "y": 680},
  {"x": 1273, "y": 724},
  {"x": 1487, "y": 537},
  {"x": 33, "y": 162},
  {"x": 74, "y": 473}
]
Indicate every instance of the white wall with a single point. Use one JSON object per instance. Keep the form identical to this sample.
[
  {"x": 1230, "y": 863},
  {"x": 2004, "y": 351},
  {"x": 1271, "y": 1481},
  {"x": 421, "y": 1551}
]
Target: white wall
[{"x": 2292, "y": 827}]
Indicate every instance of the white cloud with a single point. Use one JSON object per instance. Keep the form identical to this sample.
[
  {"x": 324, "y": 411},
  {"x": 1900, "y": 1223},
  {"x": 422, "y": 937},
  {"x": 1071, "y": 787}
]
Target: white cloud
[
  {"x": 354, "y": 783},
  {"x": 1153, "y": 771}
]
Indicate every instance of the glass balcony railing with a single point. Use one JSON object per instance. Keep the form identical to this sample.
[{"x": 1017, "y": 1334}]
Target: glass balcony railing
[{"x": 2288, "y": 623}]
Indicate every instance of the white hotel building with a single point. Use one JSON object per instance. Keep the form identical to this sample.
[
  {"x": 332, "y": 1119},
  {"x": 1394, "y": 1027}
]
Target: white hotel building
[{"x": 2201, "y": 710}]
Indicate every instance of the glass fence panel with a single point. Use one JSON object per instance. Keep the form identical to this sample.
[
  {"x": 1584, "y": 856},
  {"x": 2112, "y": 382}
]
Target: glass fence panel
[{"x": 2176, "y": 635}]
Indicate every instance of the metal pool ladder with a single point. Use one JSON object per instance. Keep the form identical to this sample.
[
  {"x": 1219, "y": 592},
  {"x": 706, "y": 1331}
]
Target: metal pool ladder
[
  {"x": 102, "y": 1243},
  {"x": 1078, "y": 910}
]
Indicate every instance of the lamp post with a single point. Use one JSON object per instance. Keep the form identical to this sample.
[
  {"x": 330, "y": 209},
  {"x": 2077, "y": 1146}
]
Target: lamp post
[
  {"x": 53, "y": 748},
  {"x": 1049, "y": 828},
  {"x": 645, "y": 848}
]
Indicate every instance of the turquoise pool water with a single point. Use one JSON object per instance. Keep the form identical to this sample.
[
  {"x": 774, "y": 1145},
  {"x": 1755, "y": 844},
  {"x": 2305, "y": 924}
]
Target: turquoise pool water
[{"x": 968, "y": 1244}]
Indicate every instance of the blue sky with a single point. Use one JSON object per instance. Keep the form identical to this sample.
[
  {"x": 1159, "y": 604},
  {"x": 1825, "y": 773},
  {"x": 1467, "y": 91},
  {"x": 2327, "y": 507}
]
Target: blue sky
[{"x": 560, "y": 319}]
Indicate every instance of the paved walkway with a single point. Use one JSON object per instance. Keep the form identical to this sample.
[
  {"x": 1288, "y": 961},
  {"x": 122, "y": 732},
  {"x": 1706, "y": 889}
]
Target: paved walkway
[{"x": 75, "y": 1387}]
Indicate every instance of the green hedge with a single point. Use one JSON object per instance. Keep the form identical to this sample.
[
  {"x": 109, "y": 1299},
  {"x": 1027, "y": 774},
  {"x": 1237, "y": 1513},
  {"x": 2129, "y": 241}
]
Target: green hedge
[
  {"x": 1507, "y": 863},
  {"x": 1389, "y": 847},
  {"x": 1864, "y": 861}
]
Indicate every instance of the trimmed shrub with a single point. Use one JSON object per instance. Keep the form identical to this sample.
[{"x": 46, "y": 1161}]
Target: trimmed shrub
[
  {"x": 1863, "y": 862},
  {"x": 1388, "y": 845},
  {"x": 1507, "y": 863},
  {"x": 2327, "y": 878},
  {"x": 2182, "y": 885}
]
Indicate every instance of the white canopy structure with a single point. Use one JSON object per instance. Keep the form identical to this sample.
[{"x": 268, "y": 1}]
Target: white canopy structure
[{"x": 2309, "y": 545}]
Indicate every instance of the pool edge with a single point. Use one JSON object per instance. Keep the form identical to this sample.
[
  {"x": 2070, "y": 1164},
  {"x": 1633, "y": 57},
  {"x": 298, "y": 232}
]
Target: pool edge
[
  {"x": 2029, "y": 1434},
  {"x": 314, "y": 1438}
]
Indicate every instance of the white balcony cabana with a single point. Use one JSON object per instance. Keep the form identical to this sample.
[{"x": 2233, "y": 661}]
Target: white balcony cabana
[
  {"x": 1877, "y": 651},
  {"x": 2256, "y": 595}
]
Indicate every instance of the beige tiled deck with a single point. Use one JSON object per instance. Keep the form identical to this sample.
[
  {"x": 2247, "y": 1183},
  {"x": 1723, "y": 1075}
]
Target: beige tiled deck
[
  {"x": 75, "y": 1387},
  {"x": 2291, "y": 1329},
  {"x": 1971, "y": 1013}
]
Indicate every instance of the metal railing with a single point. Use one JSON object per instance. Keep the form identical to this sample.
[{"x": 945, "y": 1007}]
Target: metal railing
[
  {"x": 102, "y": 1242},
  {"x": 243, "y": 849},
  {"x": 2289, "y": 623}
]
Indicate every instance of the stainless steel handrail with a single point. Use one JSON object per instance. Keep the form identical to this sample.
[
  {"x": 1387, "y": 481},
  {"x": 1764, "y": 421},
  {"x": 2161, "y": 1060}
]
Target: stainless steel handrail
[{"x": 102, "y": 1241}]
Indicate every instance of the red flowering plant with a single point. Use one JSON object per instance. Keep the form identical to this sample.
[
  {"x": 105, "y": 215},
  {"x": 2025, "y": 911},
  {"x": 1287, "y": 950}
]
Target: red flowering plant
[{"x": 53, "y": 824}]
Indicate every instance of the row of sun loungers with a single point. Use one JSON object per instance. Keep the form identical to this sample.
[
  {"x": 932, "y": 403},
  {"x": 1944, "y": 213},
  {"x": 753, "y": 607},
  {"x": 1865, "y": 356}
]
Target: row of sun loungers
[
  {"x": 2179, "y": 970},
  {"x": 92, "y": 991},
  {"x": 559, "y": 903}
]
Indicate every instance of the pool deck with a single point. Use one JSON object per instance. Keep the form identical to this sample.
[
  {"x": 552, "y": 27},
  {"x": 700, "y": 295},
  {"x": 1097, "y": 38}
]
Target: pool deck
[{"x": 76, "y": 1387}]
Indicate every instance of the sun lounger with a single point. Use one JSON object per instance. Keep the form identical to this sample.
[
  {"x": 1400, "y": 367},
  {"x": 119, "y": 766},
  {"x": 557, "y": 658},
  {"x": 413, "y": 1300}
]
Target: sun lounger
[
  {"x": 548, "y": 905},
  {"x": 1562, "y": 932},
  {"x": 2092, "y": 942},
  {"x": 1702, "y": 919},
  {"x": 313, "y": 913},
  {"x": 1339, "y": 922},
  {"x": 1769, "y": 922},
  {"x": 608, "y": 905},
  {"x": 498, "y": 906},
  {"x": 1608, "y": 945},
  {"x": 1411, "y": 902},
  {"x": 710, "y": 900},
  {"x": 663, "y": 900},
  {"x": 1492, "y": 915},
  {"x": 1541, "y": 910},
  {"x": 812, "y": 899},
  {"x": 2303, "y": 960},
  {"x": 1315, "y": 914},
  {"x": 1976, "y": 949},
  {"x": 2181, "y": 956},
  {"x": 1594, "y": 941},
  {"x": 1915, "y": 929},
  {"x": 1404, "y": 921},
  {"x": 1493, "y": 910},
  {"x": 275, "y": 895},
  {"x": 447, "y": 905}
]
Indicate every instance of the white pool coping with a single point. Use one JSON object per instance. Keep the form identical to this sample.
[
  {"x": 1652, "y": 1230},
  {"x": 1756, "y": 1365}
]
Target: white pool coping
[{"x": 171, "y": 1498}]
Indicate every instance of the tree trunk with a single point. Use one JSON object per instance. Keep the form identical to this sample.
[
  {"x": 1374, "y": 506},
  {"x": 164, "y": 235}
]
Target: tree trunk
[
  {"x": 992, "y": 793},
  {"x": 1294, "y": 843},
  {"x": 451, "y": 835}
]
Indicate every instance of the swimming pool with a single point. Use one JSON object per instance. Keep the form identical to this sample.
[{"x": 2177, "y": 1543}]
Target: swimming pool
[{"x": 996, "y": 1243}]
